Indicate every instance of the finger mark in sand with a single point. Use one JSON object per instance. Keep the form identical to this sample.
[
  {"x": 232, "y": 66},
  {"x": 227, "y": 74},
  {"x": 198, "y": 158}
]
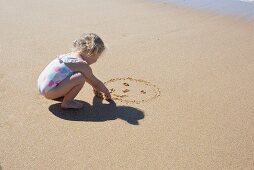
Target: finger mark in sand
[{"x": 126, "y": 90}]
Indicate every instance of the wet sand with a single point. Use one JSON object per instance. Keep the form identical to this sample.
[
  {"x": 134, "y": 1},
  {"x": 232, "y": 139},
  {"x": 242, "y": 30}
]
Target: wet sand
[
  {"x": 202, "y": 63},
  {"x": 235, "y": 8}
]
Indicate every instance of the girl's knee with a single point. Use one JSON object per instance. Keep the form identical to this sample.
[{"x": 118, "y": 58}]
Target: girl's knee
[
  {"x": 49, "y": 95},
  {"x": 80, "y": 78}
]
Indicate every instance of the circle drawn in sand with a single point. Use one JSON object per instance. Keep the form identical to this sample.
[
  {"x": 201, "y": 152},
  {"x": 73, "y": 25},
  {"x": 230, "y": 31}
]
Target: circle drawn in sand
[{"x": 130, "y": 90}]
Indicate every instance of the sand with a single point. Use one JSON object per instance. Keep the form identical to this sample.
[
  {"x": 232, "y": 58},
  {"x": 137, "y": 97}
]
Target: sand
[{"x": 202, "y": 64}]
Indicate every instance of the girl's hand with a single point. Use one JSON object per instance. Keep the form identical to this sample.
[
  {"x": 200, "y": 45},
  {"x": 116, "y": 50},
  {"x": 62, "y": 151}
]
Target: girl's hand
[
  {"x": 98, "y": 93},
  {"x": 107, "y": 96}
]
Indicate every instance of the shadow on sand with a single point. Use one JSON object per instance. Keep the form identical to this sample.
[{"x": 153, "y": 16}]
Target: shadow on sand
[{"x": 98, "y": 112}]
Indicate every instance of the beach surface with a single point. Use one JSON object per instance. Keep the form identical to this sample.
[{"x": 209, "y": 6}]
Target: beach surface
[{"x": 202, "y": 64}]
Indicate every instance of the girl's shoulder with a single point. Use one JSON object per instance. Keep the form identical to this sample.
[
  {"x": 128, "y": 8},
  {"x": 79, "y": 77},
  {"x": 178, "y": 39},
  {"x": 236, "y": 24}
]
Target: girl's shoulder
[{"x": 68, "y": 58}]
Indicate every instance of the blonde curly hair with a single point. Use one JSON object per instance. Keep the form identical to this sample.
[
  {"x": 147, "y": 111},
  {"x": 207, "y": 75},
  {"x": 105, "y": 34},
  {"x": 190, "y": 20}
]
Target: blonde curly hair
[{"x": 89, "y": 44}]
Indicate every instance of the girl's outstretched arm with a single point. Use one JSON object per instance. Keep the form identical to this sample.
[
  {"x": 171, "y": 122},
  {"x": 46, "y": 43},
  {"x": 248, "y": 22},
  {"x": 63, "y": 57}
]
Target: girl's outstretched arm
[{"x": 86, "y": 70}]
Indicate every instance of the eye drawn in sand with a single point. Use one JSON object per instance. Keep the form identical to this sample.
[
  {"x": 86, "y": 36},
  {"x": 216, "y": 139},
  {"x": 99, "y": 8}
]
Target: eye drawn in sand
[
  {"x": 143, "y": 92},
  {"x": 126, "y": 84},
  {"x": 130, "y": 90}
]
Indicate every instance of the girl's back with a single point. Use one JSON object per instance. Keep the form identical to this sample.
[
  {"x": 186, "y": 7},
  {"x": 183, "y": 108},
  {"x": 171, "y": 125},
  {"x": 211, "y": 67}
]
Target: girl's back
[{"x": 55, "y": 72}]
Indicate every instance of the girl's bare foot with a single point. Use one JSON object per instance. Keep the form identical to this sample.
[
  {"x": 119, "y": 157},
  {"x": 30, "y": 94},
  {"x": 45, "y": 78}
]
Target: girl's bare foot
[{"x": 71, "y": 105}]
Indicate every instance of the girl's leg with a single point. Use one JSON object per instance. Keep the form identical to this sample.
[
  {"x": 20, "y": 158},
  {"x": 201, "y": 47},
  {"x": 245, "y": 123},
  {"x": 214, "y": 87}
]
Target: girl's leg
[{"x": 69, "y": 88}]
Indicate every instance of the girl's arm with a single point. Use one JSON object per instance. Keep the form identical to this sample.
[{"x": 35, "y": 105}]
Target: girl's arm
[
  {"x": 86, "y": 70},
  {"x": 97, "y": 84}
]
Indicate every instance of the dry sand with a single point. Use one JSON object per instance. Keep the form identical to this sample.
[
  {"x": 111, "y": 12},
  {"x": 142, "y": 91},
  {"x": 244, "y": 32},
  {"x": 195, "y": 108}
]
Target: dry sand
[{"x": 202, "y": 63}]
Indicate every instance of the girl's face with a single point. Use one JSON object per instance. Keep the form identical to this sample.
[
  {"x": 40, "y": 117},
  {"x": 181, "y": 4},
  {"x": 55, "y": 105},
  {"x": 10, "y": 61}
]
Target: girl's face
[{"x": 92, "y": 60}]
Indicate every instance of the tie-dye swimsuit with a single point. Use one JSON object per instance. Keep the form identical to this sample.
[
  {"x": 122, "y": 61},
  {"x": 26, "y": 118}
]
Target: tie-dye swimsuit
[{"x": 55, "y": 72}]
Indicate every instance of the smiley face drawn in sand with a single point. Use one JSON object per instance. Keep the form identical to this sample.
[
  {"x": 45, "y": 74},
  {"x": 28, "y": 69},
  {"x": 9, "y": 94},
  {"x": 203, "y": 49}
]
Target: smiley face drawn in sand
[{"x": 130, "y": 90}]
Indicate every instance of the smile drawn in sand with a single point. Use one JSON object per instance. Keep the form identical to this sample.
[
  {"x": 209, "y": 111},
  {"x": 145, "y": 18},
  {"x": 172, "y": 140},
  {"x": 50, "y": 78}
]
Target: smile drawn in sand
[{"x": 130, "y": 90}]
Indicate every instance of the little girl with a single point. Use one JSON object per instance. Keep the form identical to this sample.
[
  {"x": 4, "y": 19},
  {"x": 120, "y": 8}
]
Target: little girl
[{"x": 66, "y": 74}]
